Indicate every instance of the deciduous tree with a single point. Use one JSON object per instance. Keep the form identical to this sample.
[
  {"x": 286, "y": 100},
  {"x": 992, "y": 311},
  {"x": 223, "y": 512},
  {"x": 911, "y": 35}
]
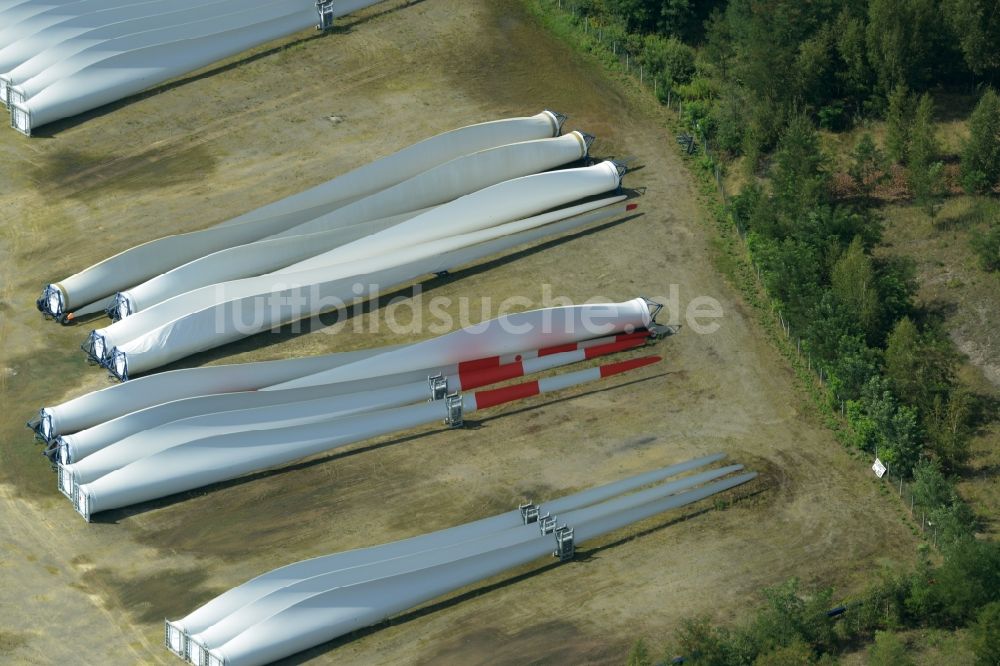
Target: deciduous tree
[
  {"x": 902, "y": 36},
  {"x": 976, "y": 25},
  {"x": 985, "y": 635},
  {"x": 898, "y": 119},
  {"x": 919, "y": 366},
  {"x": 888, "y": 650},
  {"x": 981, "y": 153},
  {"x": 868, "y": 166},
  {"x": 853, "y": 284},
  {"x": 948, "y": 427},
  {"x": 881, "y": 424},
  {"x": 926, "y": 171},
  {"x": 798, "y": 177}
]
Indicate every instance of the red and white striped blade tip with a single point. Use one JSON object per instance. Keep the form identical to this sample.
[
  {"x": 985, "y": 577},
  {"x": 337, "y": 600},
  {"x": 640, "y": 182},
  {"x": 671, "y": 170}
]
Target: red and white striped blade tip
[
  {"x": 612, "y": 347},
  {"x": 631, "y": 364},
  {"x": 499, "y": 396},
  {"x": 477, "y": 377}
]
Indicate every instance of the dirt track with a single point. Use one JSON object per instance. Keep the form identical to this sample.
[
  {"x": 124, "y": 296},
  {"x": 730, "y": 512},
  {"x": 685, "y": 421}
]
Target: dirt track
[{"x": 257, "y": 130}]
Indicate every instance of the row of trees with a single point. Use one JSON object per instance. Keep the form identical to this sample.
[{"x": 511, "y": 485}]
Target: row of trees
[
  {"x": 758, "y": 77},
  {"x": 793, "y": 627},
  {"x": 748, "y": 67},
  {"x": 889, "y": 362}
]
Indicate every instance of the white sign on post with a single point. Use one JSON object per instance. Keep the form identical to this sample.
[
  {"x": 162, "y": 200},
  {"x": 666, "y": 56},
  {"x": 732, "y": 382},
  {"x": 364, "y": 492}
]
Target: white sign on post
[{"x": 878, "y": 468}]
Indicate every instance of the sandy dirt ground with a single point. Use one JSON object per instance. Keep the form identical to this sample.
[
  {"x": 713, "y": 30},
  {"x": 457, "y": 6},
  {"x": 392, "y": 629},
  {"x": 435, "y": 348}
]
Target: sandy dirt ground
[{"x": 219, "y": 143}]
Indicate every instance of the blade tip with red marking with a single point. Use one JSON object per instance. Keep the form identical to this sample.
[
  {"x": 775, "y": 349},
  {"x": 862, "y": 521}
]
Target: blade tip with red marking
[{"x": 631, "y": 364}]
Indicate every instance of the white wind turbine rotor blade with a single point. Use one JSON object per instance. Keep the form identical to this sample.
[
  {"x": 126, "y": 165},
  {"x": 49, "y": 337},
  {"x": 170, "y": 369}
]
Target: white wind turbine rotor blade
[
  {"x": 79, "y": 441},
  {"x": 238, "y": 597},
  {"x": 112, "y": 402},
  {"x": 129, "y": 63},
  {"x": 242, "y": 261},
  {"x": 227, "y": 320},
  {"x": 144, "y": 261},
  {"x": 332, "y": 613},
  {"x": 370, "y": 215},
  {"x": 206, "y": 461}
]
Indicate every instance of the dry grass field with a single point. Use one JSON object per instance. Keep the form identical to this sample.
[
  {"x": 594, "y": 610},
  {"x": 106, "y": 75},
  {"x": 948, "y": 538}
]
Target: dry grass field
[{"x": 222, "y": 142}]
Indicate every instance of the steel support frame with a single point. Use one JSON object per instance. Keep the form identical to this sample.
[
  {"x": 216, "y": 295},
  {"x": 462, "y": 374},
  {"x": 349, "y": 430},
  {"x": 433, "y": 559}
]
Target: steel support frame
[{"x": 326, "y": 14}]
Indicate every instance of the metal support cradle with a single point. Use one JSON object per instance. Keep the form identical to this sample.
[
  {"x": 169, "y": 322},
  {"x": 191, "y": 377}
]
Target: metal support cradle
[
  {"x": 546, "y": 524},
  {"x": 453, "y": 403},
  {"x": 50, "y": 303},
  {"x": 565, "y": 547},
  {"x": 656, "y": 329},
  {"x": 120, "y": 308},
  {"x": 439, "y": 386},
  {"x": 94, "y": 348},
  {"x": 326, "y": 15}
]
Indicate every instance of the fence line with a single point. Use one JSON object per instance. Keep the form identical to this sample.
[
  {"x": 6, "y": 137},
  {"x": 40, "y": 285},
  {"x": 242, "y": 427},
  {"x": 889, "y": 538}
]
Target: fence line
[{"x": 918, "y": 513}]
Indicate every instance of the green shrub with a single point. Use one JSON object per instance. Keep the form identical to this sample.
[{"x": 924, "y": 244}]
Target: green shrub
[
  {"x": 639, "y": 655},
  {"x": 833, "y": 116},
  {"x": 888, "y": 650},
  {"x": 668, "y": 57},
  {"x": 985, "y": 635},
  {"x": 986, "y": 245}
]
